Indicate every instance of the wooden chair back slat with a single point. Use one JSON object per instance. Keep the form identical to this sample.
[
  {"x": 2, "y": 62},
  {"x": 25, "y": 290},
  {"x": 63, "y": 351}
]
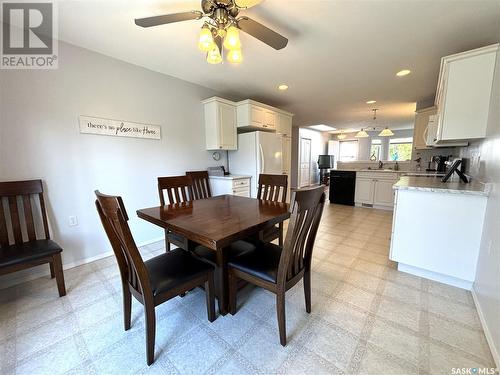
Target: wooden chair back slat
[
  {"x": 4, "y": 235},
  {"x": 307, "y": 207},
  {"x": 272, "y": 186},
  {"x": 13, "y": 195},
  {"x": 28, "y": 218},
  {"x": 179, "y": 189},
  {"x": 201, "y": 184},
  {"x": 114, "y": 220},
  {"x": 14, "y": 219}
]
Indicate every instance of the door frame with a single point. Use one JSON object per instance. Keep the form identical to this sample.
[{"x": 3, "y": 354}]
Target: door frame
[{"x": 299, "y": 161}]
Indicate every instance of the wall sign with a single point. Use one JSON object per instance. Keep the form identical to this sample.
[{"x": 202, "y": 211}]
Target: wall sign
[{"x": 118, "y": 128}]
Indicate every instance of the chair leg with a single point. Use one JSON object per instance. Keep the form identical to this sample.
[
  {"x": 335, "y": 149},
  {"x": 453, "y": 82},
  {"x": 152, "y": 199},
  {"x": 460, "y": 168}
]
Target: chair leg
[
  {"x": 233, "y": 290},
  {"x": 58, "y": 272},
  {"x": 280, "y": 310},
  {"x": 149, "y": 311},
  {"x": 210, "y": 295},
  {"x": 280, "y": 240},
  {"x": 52, "y": 272},
  {"x": 167, "y": 244},
  {"x": 127, "y": 307},
  {"x": 307, "y": 290}
]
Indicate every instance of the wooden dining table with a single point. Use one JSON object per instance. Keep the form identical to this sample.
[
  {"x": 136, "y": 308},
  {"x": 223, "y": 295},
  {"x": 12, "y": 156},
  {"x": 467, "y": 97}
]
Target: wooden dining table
[{"x": 216, "y": 223}]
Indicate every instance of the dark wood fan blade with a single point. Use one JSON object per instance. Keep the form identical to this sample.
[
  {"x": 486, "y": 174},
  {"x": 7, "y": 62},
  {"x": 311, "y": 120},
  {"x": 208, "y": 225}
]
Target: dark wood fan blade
[
  {"x": 263, "y": 33},
  {"x": 168, "y": 18}
]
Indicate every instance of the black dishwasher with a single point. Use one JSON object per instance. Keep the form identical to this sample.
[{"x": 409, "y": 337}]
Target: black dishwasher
[{"x": 342, "y": 187}]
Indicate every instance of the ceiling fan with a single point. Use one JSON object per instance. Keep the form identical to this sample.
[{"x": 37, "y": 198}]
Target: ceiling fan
[{"x": 221, "y": 28}]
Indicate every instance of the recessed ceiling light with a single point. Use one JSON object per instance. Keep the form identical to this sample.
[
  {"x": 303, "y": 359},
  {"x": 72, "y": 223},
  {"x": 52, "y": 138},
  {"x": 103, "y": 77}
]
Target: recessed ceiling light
[
  {"x": 322, "y": 128},
  {"x": 403, "y": 72},
  {"x": 371, "y": 101},
  {"x": 283, "y": 87}
]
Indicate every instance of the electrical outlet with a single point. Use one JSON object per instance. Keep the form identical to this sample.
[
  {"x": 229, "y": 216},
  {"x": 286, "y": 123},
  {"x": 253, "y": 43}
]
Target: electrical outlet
[{"x": 72, "y": 221}]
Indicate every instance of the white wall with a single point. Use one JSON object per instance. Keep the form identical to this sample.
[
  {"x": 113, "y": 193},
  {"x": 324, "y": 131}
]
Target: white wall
[
  {"x": 487, "y": 284},
  {"x": 40, "y": 139}
]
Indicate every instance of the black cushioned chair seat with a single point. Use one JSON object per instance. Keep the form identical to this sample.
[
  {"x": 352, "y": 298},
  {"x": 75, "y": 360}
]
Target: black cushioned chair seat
[
  {"x": 174, "y": 268},
  {"x": 263, "y": 262},
  {"x": 27, "y": 251},
  {"x": 235, "y": 249}
]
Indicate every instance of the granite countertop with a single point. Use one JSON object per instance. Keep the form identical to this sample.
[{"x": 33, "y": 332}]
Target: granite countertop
[
  {"x": 429, "y": 184},
  {"x": 230, "y": 177}
]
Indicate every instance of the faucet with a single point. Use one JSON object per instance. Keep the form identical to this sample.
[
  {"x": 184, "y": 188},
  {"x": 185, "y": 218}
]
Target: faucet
[{"x": 380, "y": 164}]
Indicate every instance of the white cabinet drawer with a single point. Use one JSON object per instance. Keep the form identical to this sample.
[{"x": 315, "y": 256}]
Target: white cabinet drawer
[
  {"x": 378, "y": 175},
  {"x": 242, "y": 191},
  {"x": 241, "y": 182}
]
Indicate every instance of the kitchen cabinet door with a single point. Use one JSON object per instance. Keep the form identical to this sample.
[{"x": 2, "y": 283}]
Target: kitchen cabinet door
[
  {"x": 284, "y": 124},
  {"x": 269, "y": 119},
  {"x": 257, "y": 116},
  {"x": 364, "y": 191},
  {"x": 220, "y": 124},
  {"x": 420, "y": 127},
  {"x": 227, "y": 127},
  {"x": 464, "y": 94},
  {"x": 286, "y": 155},
  {"x": 384, "y": 194}
]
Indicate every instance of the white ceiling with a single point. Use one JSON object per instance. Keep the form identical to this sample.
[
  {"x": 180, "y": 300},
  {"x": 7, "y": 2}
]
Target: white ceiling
[{"x": 340, "y": 53}]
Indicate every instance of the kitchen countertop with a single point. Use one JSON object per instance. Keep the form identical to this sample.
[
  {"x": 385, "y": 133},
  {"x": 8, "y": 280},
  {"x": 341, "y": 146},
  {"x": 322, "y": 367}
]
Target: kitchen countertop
[
  {"x": 230, "y": 177},
  {"x": 429, "y": 184}
]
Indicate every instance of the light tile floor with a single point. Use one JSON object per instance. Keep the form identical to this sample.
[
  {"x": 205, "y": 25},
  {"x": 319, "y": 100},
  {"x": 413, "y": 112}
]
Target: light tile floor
[{"x": 367, "y": 318}]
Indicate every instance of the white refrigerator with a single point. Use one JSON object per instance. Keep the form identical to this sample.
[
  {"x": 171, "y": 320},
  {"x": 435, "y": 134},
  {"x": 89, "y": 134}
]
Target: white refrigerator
[{"x": 258, "y": 152}]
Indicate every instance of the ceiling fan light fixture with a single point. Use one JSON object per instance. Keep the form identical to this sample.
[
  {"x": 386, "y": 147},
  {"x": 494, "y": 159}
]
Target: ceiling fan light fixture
[
  {"x": 232, "y": 38},
  {"x": 235, "y": 56},
  {"x": 386, "y": 133},
  {"x": 206, "y": 40},
  {"x": 341, "y": 136},
  {"x": 214, "y": 56},
  {"x": 362, "y": 134}
]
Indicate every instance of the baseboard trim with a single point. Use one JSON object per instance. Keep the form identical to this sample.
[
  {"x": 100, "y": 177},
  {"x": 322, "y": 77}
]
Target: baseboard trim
[
  {"x": 66, "y": 266},
  {"x": 487, "y": 333},
  {"x": 445, "y": 279}
]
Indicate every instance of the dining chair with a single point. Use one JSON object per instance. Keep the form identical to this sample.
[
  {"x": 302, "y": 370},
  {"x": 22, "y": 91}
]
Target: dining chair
[
  {"x": 272, "y": 187},
  {"x": 201, "y": 184},
  {"x": 279, "y": 269},
  {"x": 23, "y": 248},
  {"x": 179, "y": 190},
  {"x": 156, "y": 280}
]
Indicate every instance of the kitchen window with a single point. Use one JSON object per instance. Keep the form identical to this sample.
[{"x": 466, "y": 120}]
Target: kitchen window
[
  {"x": 400, "y": 149},
  {"x": 375, "y": 149},
  {"x": 348, "y": 150}
]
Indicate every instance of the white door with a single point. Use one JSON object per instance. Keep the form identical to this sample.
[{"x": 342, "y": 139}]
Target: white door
[
  {"x": 384, "y": 194},
  {"x": 305, "y": 162},
  {"x": 269, "y": 153}
]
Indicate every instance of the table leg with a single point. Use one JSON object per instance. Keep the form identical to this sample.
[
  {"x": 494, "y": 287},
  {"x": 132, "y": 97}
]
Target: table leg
[{"x": 221, "y": 257}]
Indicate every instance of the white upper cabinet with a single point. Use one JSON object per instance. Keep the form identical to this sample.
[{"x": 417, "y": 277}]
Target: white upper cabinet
[
  {"x": 420, "y": 129},
  {"x": 253, "y": 115},
  {"x": 464, "y": 93},
  {"x": 220, "y": 124},
  {"x": 284, "y": 124}
]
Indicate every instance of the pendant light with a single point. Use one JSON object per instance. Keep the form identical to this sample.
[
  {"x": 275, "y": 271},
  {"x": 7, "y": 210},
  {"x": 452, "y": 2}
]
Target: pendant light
[
  {"x": 386, "y": 133},
  {"x": 341, "y": 136},
  {"x": 362, "y": 134}
]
